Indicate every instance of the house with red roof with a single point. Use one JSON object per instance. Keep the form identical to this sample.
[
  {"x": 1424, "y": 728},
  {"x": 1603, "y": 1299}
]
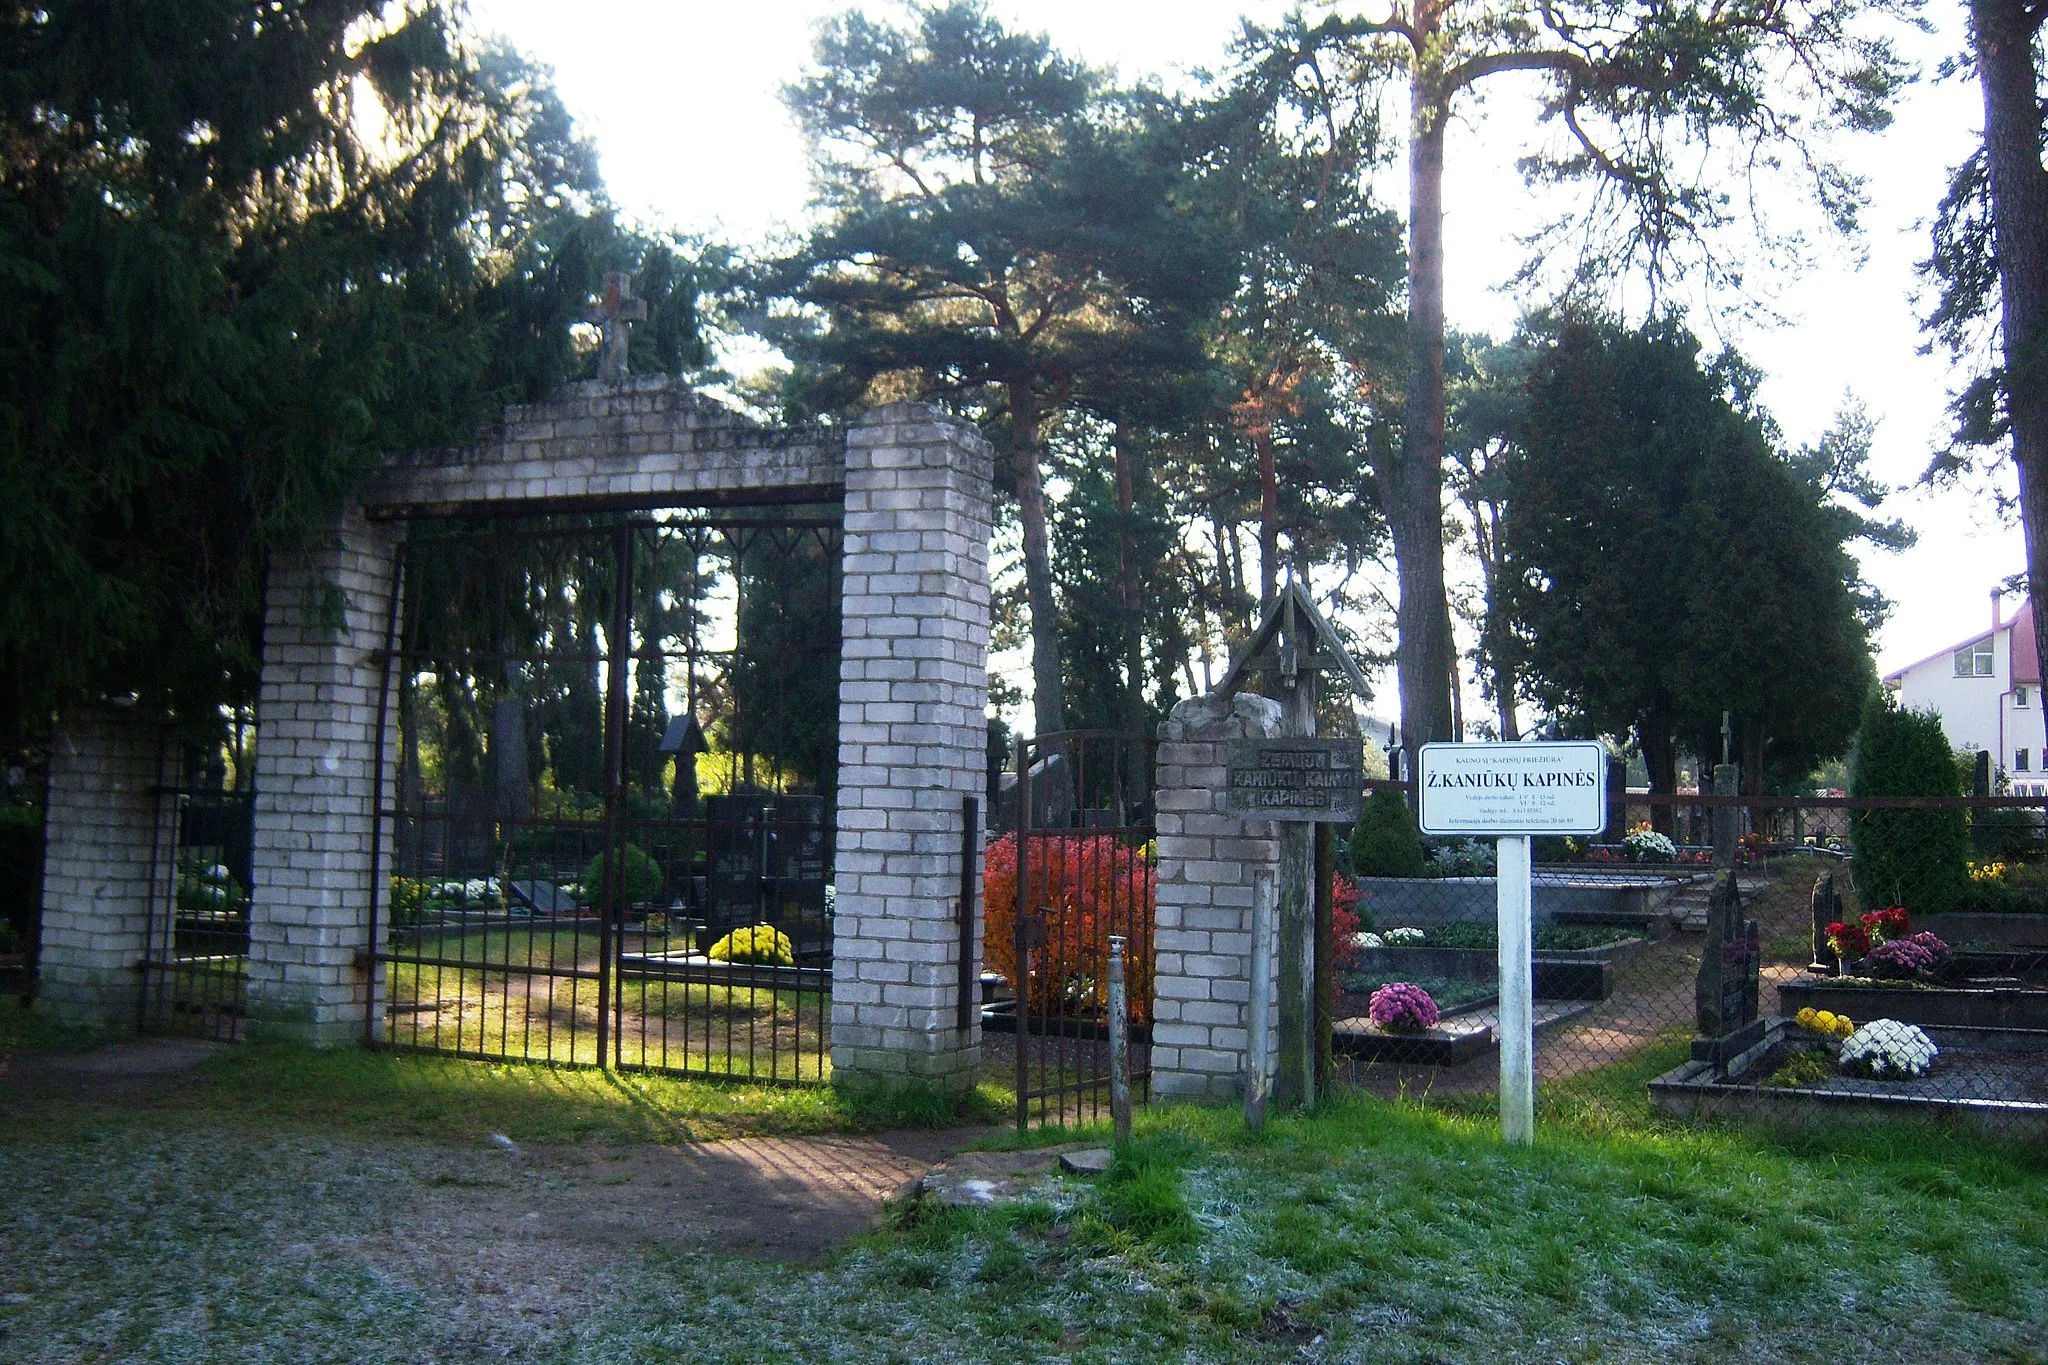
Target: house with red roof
[{"x": 1987, "y": 690}]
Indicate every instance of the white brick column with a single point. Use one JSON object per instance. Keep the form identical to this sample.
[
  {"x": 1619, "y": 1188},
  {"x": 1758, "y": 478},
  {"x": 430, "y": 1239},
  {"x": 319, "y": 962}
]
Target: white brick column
[
  {"x": 913, "y": 692},
  {"x": 1208, "y": 859},
  {"x": 317, "y": 783},
  {"x": 100, "y": 839}
]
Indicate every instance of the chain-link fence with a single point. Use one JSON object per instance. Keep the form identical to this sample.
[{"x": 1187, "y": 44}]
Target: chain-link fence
[{"x": 1831, "y": 961}]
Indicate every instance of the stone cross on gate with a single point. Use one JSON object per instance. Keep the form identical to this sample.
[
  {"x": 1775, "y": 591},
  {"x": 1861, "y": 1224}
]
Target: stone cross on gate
[{"x": 614, "y": 314}]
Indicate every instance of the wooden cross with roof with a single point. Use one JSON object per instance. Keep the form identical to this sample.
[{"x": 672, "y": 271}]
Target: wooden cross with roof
[{"x": 1292, "y": 639}]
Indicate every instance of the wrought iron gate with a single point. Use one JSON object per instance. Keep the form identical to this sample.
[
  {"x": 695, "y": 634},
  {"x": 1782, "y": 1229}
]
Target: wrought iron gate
[
  {"x": 1082, "y": 862},
  {"x": 196, "y": 947},
  {"x": 555, "y": 892}
]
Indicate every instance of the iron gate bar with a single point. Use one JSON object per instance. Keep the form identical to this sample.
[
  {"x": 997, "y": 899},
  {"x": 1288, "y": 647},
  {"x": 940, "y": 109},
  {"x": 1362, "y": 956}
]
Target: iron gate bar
[
  {"x": 617, "y": 646},
  {"x": 378, "y": 816},
  {"x": 966, "y": 1006}
]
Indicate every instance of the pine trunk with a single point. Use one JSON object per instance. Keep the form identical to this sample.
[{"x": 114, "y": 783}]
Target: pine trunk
[
  {"x": 1413, "y": 488},
  {"x": 2003, "y": 34},
  {"x": 1048, "y": 703}
]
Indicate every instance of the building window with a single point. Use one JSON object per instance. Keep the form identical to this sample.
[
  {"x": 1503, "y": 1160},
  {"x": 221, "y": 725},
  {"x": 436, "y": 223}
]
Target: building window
[
  {"x": 1974, "y": 661},
  {"x": 2019, "y": 697},
  {"x": 2019, "y": 760}
]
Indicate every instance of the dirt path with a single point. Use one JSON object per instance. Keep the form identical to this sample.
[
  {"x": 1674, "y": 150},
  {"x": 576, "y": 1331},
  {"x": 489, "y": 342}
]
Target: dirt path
[{"x": 790, "y": 1199}]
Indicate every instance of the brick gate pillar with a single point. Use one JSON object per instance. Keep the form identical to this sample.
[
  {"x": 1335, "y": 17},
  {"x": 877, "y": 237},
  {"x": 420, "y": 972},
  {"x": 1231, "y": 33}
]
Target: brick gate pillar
[
  {"x": 317, "y": 784},
  {"x": 1209, "y": 862},
  {"x": 101, "y": 863},
  {"x": 913, "y": 695}
]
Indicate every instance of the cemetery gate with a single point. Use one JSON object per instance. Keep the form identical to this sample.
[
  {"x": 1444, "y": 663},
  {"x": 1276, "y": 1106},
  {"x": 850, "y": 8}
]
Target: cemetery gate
[
  {"x": 608, "y": 838},
  {"x": 1079, "y": 855},
  {"x": 196, "y": 938}
]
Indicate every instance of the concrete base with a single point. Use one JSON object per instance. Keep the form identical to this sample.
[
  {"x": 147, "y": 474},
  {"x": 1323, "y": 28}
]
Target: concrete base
[{"x": 107, "y": 999}]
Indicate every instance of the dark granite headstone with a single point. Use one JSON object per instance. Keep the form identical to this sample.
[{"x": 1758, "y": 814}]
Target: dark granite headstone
[
  {"x": 543, "y": 898},
  {"x": 739, "y": 860},
  {"x": 798, "y": 865},
  {"x": 1827, "y": 909},
  {"x": 1731, "y": 963}
]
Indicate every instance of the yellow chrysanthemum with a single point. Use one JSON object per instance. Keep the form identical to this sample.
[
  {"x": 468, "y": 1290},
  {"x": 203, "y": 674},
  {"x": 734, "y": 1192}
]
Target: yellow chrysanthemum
[
  {"x": 1805, "y": 1017},
  {"x": 1824, "y": 1020},
  {"x": 759, "y": 943},
  {"x": 1844, "y": 1026}
]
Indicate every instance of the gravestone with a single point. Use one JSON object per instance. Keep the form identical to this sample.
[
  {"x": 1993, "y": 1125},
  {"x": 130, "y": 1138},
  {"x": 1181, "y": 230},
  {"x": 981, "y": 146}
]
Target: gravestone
[
  {"x": 543, "y": 898},
  {"x": 1731, "y": 962},
  {"x": 739, "y": 861},
  {"x": 1827, "y": 909},
  {"x": 796, "y": 858}
]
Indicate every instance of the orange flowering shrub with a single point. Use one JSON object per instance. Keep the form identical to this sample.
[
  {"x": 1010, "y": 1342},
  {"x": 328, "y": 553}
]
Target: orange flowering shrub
[{"x": 1094, "y": 886}]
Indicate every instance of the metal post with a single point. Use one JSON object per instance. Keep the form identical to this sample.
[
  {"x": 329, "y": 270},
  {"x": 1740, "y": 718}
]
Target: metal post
[
  {"x": 1258, "y": 1080},
  {"x": 1517, "y": 1005},
  {"x": 1119, "y": 1044},
  {"x": 966, "y": 1005},
  {"x": 1020, "y": 939}
]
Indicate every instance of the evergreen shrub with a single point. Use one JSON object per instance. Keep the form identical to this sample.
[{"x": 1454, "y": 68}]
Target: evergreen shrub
[
  {"x": 643, "y": 879},
  {"x": 1385, "y": 842},
  {"x": 1918, "y": 859}
]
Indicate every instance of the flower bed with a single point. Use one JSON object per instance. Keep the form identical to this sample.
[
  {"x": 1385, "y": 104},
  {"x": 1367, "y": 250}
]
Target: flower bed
[{"x": 1918, "y": 1003}]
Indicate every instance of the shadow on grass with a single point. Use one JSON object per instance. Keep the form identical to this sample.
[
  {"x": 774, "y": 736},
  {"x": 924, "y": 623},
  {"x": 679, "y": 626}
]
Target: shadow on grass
[{"x": 463, "y": 1100}]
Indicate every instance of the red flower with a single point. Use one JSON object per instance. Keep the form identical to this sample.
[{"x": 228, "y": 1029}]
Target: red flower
[
  {"x": 1848, "y": 942},
  {"x": 1882, "y": 926}
]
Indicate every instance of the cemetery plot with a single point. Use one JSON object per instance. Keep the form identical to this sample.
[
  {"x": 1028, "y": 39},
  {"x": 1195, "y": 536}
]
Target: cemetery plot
[
  {"x": 610, "y": 839},
  {"x": 1759, "y": 986}
]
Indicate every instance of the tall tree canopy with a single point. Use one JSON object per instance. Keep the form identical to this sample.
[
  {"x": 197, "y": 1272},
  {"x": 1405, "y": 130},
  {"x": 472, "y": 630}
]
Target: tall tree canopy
[
  {"x": 1671, "y": 115},
  {"x": 1663, "y": 563},
  {"x": 999, "y": 224},
  {"x": 245, "y": 250}
]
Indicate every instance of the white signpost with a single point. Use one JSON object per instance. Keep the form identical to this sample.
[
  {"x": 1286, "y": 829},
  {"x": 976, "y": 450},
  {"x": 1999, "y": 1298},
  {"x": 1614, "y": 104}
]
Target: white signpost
[{"x": 1512, "y": 791}]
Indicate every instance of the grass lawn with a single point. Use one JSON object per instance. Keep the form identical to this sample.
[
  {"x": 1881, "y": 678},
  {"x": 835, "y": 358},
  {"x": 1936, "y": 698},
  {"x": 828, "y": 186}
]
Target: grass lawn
[{"x": 279, "y": 1207}]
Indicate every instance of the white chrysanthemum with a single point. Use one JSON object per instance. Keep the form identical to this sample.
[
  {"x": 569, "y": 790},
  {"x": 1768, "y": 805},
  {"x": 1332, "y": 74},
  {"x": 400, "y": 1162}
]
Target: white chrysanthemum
[
  {"x": 1403, "y": 937},
  {"x": 475, "y": 889},
  {"x": 217, "y": 874},
  {"x": 1368, "y": 940},
  {"x": 1650, "y": 843},
  {"x": 1887, "y": 1047}
]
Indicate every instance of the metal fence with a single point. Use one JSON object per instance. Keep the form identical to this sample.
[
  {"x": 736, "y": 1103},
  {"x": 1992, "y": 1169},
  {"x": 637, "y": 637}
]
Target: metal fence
[{"x": 1839, "y": 961}]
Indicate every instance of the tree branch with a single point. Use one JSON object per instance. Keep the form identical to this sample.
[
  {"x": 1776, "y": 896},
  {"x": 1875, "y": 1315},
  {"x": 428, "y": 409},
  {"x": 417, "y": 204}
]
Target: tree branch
[{"x": 1492, "y": 63}]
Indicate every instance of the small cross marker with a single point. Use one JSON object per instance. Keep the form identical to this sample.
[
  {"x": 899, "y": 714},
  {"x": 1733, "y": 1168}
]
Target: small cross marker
[{"x": 614, "y": 315}]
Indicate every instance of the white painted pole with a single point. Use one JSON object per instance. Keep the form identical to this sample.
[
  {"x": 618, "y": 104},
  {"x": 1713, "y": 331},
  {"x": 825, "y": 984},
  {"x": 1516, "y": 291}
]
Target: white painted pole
[
  {"x": 1258, "y": 1080},
  {"x": 1517, "y": 993}
]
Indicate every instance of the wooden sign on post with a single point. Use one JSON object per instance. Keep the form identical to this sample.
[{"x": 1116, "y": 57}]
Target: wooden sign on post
[
  {"x": 1512, "y": 791},
  {"x": 1314, "y": 780}
]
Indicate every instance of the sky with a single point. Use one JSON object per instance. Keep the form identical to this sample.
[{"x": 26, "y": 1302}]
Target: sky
[{"x": 681, "y": 98}]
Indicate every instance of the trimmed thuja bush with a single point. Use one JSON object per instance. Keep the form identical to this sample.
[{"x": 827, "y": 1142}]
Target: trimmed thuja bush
[
  {"x": 643, "y": 879},
  {"x": 1385, "y": 841},
  {"x": 1918, "y": 859}
]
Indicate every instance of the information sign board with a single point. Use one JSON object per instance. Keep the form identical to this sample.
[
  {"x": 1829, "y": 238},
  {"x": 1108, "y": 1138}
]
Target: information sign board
[
  {"x": 1507, "y": 789},
  {"x": 1316, "y": 780}
]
